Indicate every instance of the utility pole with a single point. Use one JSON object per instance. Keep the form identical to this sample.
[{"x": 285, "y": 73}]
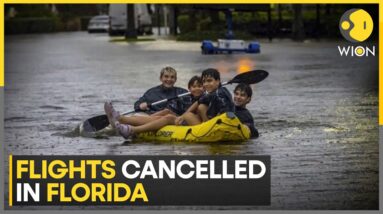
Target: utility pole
[
  {"x": 173, "y": 13},
  {"x": 166, "y": 19},
  {"x": 130, "y": 32},
  {"x": 269, "y": 25},
  {"x": 298, "y": 27},
  {"x": 317, "y": 21},
  {"x": 158, "y": 13}
]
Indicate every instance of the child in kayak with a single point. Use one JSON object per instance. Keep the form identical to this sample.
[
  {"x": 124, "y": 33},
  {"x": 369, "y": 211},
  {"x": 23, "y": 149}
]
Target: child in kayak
[
  {"x": 242, "y": 96},
  {"x": 129, "y": 125},
  {"x": 168, "y": 77},
  {"x": 217, "y": 100},
  {"x": 178, "y": 108}
]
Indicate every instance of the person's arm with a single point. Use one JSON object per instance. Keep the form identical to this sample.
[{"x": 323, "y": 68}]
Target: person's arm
[
  {"x": 247, "y": 119},
  {"x": 253, "y": 130},
  {"x": 140, "y": 104},
  {"x": 250, "y": 123},
  {"x": 203, "y": 105},
  {"x": 202, "y": 112},
  {"x": 193, "y": 107}
]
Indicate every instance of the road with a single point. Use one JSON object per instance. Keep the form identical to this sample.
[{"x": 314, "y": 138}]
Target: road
[{"x": 316, "y": 112}]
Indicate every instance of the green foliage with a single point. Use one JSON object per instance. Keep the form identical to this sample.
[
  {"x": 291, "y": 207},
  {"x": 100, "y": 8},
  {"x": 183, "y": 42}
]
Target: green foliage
[
  {"x": 31, "y": 25},
  {"x": 204, "y": 24},
  {"x": 38, "y": 18},
  {"x": 242, "y": 18},
  {"x": 31, "y": 10},
  {"x": 73, "y": 10},
  {"x": 84, "y": 22},
  {"x": 185, "y": 24}
]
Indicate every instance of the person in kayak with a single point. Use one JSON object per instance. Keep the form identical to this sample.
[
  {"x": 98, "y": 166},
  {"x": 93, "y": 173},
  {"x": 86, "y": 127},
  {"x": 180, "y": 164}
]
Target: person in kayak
[
  {"x": 242, "y": 96},
  {"x": 196, "y": 90},
  {"x": 168, "y": 77},
  {"x": 178, "y": 108},
  {"x": 217, "y": 100},
  {"x": 129, "y": 125}
]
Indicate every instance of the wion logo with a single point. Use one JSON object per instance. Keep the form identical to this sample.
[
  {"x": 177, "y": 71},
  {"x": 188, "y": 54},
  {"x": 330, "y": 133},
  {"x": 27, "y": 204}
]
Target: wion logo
[{"x": 356, "y": 26}]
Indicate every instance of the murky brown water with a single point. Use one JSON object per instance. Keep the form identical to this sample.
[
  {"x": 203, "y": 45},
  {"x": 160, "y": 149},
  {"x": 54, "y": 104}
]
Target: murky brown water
[{"x": 316, "y": 112}]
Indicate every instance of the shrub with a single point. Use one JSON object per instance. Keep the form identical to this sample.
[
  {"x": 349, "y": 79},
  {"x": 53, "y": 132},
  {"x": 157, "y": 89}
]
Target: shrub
[
  {"x": 184, "y": 23},
  {"x": 30, "y": 25}
]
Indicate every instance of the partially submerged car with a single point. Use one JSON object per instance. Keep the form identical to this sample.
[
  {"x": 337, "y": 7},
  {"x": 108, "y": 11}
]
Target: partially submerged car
[{"x": 98, "y": 24}]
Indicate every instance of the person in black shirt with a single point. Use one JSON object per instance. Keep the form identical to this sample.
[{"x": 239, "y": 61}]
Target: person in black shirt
[
  {"x": 217, "y": 100},
  {"x": 242, "y": 96},
  {"x": 166, "y": 90},
  {"x": 178, "y": 108}
]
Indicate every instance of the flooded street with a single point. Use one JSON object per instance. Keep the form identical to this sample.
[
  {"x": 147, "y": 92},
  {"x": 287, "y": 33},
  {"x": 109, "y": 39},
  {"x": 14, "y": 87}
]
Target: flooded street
[{"x": 317, "y": 112}]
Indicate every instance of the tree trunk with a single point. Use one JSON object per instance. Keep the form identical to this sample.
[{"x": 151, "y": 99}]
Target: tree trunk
[
  {"x": 173, "y": 25},
  {"x": 130, "y": 32},
  {"x": 269, "y": 25},
  {"x": 298, "y": 27},
  {"x": 279, "y": 15},
  {"x": 317, "y": 23}
]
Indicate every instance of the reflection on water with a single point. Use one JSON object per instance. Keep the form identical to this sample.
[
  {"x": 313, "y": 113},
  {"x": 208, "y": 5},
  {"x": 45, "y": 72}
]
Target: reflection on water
[{"x": 243, "y": 64}]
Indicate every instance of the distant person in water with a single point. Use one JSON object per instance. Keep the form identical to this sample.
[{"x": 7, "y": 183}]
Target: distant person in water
[{"x": 168, "y": 77}]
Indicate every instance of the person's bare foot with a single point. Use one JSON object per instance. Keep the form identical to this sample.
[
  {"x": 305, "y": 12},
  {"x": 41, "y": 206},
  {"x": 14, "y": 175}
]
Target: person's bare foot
[
  {"x": 112, "y": 114},
  {"x": 124, "y": 130}
]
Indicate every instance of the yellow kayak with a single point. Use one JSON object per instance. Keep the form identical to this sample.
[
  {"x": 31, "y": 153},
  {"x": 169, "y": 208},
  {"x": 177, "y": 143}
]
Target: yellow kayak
[{"x": 225, "y": 127}]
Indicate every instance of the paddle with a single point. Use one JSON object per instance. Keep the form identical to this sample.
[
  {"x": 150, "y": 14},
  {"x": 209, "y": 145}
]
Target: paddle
[{"x": 251, "y": 77}]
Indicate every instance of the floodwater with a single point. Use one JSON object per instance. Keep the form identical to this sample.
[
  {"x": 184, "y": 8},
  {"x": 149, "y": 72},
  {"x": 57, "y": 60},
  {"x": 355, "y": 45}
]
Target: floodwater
[{"x": 316, "y": 112}]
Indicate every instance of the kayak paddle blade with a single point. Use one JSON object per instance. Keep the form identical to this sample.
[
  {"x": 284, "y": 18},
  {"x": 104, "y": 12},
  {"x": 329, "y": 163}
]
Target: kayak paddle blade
[
  {"x": 250, "y": 77},
  {"x": 95, "y": 123}
]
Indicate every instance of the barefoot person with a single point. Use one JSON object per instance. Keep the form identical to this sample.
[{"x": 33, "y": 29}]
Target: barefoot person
[
  {"x": 242, "y": 96},
  {"x": 129, "y": 125},
  {"x": 168, "y": 77}
]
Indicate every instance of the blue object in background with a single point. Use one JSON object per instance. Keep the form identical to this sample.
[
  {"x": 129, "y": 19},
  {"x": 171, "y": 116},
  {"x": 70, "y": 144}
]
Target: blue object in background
[
  {"x": 254, "y": 47},
  {"x": 229, "y": 45},
  {"x": 207, "y": 47}
]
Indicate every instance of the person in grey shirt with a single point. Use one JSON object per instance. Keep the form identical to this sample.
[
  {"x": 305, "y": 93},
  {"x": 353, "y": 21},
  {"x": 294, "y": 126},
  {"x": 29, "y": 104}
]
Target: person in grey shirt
[{"x": 166, "y": 90}]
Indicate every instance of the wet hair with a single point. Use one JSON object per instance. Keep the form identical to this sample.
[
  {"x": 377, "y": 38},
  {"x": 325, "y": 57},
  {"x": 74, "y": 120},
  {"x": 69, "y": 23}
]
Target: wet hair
[
  {"x": 211, "y": 72},
  {"x": 245, "y": 88},
  {"x": 193, "y": 80},
  {"x": 168, "y": 69}
]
